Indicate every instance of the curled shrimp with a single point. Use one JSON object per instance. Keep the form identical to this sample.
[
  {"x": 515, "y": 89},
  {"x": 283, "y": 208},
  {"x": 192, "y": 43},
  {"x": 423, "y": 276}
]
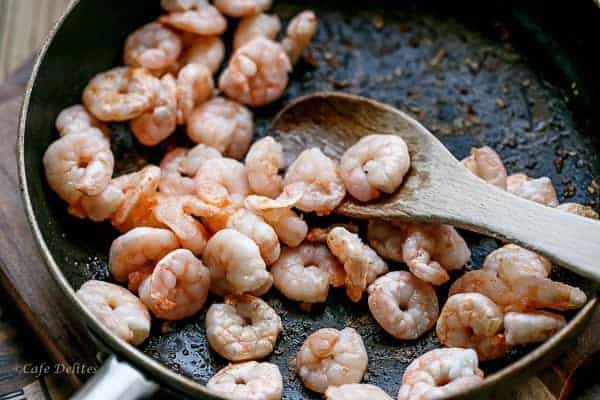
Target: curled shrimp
[
  {"x": 403, "y": 305},
  {"x": 304, "y": 273},
  {"x": 222, "y": 181},
  {"x": 440, "y": 373},
  {"x": 430, "y": 250},
  {"x": 485, "y": 163},
  {"x": 329, "y": 357},
  {"x": 531, "y": 326},
  {"x": 472, "y": 320},
  {"x": 153, "y": 47},
  {"x": 235, "y": 264},
  {"x": 317, "y": 177},
  {"x": 133, "y": 255},
  {"x": 76, "y": 119},
  {"x": 101, "y": 206},
  {"x": 118, "y": 310},
  {"x": 539, "y": 190},
  {"x": 579, "y": 209},
  {"x": 121, "y": 93},
  {"x": 487, "y": 283},
  {"x": 243, "y": 328},
  {"x": 176, "y": 213},
  {"x": 155, "y": 125},
  {"x": 257, "y": 73},
  {"x": 319, "y": 235},
  {"x": 139, "y": 192},
  {"x": 263, "y": 162},
  {"x": 299, "y": 33},
  {"x": 242, "y": 8},
  {"x": 512, "y": 261},
  {"x": 537, "y": 292},
  {"x": 248, "y": 381},
  {"x": 253, "y": 26},
  {"x": 197, "y": 17},
  {"x": 222, "y": 124},
  {"x": 180, "y": 165},
  {"x": 375, "y": 164},
  {"x": 353, "y": 391},
  {"x": 361, "y": 263},
  {"x": 177, "y": 287},
  {"x": 78, "y": 164},
  {"x": 207, "y": 50},
  {"x": 289, "y": 226},
  {"x": 259, "y": 231},
  {"x": 386, "y": 239},
  {"x": 194, "y": 86}
]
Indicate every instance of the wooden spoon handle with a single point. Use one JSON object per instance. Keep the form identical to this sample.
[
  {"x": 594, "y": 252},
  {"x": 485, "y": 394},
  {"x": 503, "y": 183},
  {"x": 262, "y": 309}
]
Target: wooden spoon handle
[{"x": 566, "y": 239}]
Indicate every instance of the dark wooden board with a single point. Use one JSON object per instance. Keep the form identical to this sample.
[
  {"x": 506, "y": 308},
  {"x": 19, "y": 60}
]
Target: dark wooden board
[{"x": 41, "y": 305}]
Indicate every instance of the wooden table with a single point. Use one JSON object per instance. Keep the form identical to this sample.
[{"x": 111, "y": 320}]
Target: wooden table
[{"x": 30, "y": 339}]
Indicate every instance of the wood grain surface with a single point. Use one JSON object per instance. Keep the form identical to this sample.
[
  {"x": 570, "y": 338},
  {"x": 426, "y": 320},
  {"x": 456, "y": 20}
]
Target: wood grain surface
[{"x": 23, "y": 26}]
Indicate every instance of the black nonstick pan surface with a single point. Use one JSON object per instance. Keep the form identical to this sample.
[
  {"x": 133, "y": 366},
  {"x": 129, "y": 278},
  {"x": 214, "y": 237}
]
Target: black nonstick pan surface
[{"x": 519, "y": 78}]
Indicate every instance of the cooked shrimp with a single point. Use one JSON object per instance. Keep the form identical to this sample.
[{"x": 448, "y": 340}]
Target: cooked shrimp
[
  {"x": 222, "y": 181},
  {"x": 354, "y": 391},
  {"x": 536, "y": 292},
  {"x": 194, "y": 86},
  {"x": 176, "y": 213},
  {"x": 329, "y": 357},
  {"x": 242, "y": 8},
  {"x": 263, "y": 162},
  {"x": 512, "y": 261},
  {"x": 374, "y": 164},
  {"x": 253, "y": 26},
  {"x": 531, "y": 326},
  {"x": 133, "y": 255},
  {"x": 299, "y": 33},
  {"x": 487, "y": 283},
  {"x": 440, "y": 373},
  {"x": 118, "y": 310},
  {"x": 244, "y": 328},
  {"x": 425, "y": 243},
  {"x": 579, "y": 209},
  {"x": 259, "y": 231},
  {"x": 207, "y": 50},
  {"x": 485, "y": 163},
  {"x": 121, "y": 93},
  {"x": 172, "y": 180},
  {"x": 76, "y": 118},
  {"x": 289, "y": 226},
  {"x": 153, "y": 47},
  {"x": 139, "y": 190},
  {"x": 317, "y": 177},
  {"x": 304, "y": 273},
  {"x": 319, "y": 235},
  {"x": 361, "y": 263},
  {"x": 78, "y": 164},
  {"x": 222, "y": 124},
  {"x": 155, "y": 125},
  {"x": 196, "y": 157},
  {"x": 248, "y": 381},
  {"x": 198, "y": 17},
  {"x": 403, "y": 305},
  {"x": 101, "y": 206},
  {"x": 257, "y": 73},
  {"x": 177, "y": 287},
  {"x": 235, "y": 264},
  {"x": 472, "y": 320},
  {"x": 386, "y": 239},
  {"x": 539, "y": 190}
]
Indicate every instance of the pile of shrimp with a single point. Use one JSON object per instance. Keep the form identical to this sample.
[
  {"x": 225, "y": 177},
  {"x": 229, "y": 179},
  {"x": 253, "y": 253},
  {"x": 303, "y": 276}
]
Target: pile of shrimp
[{"x": 226, "y": 216}]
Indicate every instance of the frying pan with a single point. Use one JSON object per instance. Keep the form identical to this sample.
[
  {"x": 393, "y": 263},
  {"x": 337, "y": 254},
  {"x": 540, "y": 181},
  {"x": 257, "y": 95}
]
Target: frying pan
[{"x": 515, "y": 77}]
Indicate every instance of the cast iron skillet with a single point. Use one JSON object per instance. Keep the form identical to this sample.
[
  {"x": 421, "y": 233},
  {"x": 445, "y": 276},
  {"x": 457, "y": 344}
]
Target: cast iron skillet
[{"x": 514, "y": 77}]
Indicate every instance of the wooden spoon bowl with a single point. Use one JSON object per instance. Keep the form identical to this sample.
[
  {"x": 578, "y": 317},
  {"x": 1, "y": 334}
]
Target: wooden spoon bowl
[{"x": 437, "y": 189}]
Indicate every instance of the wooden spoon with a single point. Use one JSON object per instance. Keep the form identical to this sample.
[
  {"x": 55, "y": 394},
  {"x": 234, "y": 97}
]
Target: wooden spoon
[{"x": 438, "y": 188}]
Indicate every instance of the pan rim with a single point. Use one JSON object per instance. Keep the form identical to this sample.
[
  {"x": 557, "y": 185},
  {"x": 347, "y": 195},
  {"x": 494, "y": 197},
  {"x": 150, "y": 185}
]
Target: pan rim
[{"x": 156, "y": 370}]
